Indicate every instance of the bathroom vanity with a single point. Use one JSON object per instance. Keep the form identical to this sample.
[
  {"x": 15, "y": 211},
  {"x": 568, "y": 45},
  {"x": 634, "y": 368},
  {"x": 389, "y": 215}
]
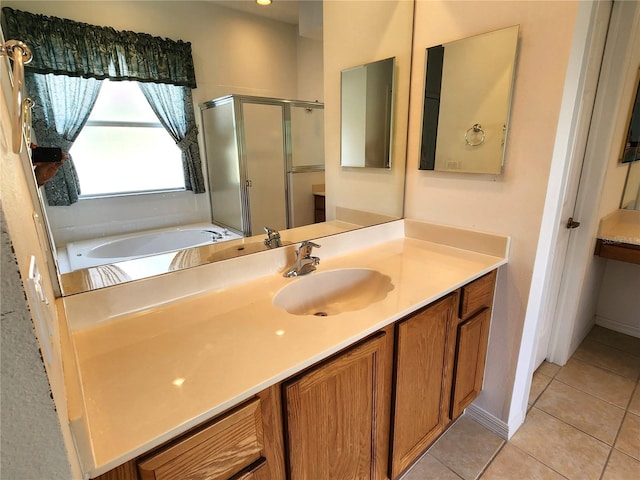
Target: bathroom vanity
[
  {"x": 619, "y": 236},
  {"x": 226, "y": 384}
]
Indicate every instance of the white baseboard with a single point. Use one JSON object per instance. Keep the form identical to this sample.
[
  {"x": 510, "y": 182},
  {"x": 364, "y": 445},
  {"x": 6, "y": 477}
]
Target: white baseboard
[
  {"x": 488, "y": 421},
  {"x": 633, "y": 330}
]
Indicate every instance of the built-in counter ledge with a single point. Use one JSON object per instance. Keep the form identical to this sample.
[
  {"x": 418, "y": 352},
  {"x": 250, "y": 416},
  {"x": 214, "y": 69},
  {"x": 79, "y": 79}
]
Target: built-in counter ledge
[
  {"x": 619, "y": 236},
  {"x": 93, "y": 307}
]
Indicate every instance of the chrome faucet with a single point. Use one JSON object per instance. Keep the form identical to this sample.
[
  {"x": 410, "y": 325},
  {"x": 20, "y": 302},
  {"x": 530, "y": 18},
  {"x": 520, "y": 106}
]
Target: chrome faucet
[
  {"x": 214, "y": 235},
  {"x": 305, "y": 263},
  {"x": 273, "y": 238}
]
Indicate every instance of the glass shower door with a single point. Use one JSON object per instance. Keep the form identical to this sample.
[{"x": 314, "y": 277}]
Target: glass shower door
[{"x": 265, "y": 165}]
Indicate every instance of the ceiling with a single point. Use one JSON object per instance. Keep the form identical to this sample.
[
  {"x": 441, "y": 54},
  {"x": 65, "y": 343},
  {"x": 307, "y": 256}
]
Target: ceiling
[{"x": 281, "y": 10}]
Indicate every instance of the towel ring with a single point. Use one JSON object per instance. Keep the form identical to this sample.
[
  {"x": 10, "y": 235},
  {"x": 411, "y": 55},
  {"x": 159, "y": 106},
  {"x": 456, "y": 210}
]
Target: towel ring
[
  {"x": 20, "y": 54},
  {"x": 476, "y": 129}
]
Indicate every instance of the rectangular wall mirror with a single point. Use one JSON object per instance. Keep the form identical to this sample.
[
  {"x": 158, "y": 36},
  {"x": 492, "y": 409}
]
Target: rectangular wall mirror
[
  {"x": 366, "y": 104},
  {"x": 631, "y": 145},
  {"x": 467, "y": 97},
  {"x": 630, "y": 153}
]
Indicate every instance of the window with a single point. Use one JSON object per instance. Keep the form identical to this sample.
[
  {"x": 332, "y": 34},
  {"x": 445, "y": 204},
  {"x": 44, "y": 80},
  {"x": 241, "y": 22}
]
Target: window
[{"x": 123, "y": 148}]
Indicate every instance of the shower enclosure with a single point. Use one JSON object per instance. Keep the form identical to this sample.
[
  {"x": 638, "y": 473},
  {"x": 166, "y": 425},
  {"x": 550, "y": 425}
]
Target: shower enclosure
[{"x": 263, "y": 157}]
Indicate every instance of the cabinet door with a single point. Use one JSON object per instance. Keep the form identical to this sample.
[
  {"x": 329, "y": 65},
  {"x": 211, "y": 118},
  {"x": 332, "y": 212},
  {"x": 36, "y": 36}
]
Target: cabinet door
[
  {"x": 338, "y": 415},
  {"x": 425, "y": 345},
  {"x": 471, "y": 353}
]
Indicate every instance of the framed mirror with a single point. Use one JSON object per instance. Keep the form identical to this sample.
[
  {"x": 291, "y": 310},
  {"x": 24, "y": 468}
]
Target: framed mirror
[
  {"x": 630, "y": 154},
  {"x": 467, "y": 98},
  {"x": 225, "y": 36},
  {"x": 630, "y": 151},
  {"x": 366, "y": 104}
]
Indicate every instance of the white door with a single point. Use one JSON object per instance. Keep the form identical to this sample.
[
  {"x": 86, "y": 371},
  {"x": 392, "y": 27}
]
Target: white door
[{"x": 582, "y": 91}]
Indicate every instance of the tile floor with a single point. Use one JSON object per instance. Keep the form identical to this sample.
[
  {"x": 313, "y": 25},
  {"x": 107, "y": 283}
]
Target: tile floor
[{"x": 583, "y": 423}]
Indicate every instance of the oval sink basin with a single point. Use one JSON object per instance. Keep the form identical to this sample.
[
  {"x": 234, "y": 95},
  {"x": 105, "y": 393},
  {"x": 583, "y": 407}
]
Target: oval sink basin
[{"x": 333, "y": 292}]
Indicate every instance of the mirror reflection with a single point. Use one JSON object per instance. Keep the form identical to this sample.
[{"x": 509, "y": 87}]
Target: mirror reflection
[
  {"x": 467, "y": 96},
  {"x": 234, "y": 52},
  {"x": 631, "y": 154},
  {"x": 257, "y": 179},
  {"x": 631, "y": 145},
  {"x": 366, "y": 105},
  {"x": 631, "y": 194}
]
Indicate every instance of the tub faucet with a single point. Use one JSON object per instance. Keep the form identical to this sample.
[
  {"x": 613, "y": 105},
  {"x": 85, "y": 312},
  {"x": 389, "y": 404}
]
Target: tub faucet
[
  {"x": 214, "y": 235},
  {"x": 273, "y": 238},
  {"x": 305, "y": 263}
]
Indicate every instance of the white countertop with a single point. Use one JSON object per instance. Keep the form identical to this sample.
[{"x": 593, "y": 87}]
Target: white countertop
[
  {"x": 621, "y": 226},
  {"x": 150, "y": 374}
]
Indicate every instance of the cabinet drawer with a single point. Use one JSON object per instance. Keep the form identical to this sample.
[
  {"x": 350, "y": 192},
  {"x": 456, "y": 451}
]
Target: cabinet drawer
[
  {"x": 218, "y": 451},
  {"x": 477, "y": 295}
]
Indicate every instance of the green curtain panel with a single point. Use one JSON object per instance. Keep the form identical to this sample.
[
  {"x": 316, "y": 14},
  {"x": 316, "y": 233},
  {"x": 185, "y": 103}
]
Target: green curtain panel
[
  {"x": 66, "y": 47},
  {"x": 62, "y": 107}
]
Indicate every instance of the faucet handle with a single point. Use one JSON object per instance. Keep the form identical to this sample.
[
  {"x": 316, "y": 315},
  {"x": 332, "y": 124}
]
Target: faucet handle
[
  {"x": 306, "y": 247},
  {"x": 309, "y": 243},
  {"x": 273, "y": 238}
]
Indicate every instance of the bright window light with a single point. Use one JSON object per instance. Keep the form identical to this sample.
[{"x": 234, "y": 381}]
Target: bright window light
[{"x": 123, "y": 148}]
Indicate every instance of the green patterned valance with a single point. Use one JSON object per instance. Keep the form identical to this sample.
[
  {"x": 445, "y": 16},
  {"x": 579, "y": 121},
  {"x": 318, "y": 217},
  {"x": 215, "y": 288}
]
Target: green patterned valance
[{"x": 65, "y": 47}]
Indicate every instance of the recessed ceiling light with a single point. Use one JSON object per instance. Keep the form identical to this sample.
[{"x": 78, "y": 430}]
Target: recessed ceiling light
[{"x": 263, "y": 2}]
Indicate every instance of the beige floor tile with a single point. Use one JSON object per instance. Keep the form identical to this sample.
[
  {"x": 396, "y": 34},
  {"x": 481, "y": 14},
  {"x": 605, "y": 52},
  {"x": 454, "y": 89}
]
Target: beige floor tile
[
  {"x": 585, "y": 412},
  {"x": 609, "y": 358},
  {"x": 621, "y": 467},
  {"x": 549, "y": 369},
  {"x": 563, "y": 448},
  {"x": 615, "y": 339},
  {"x": 634, "y": 406},
  {"x": 629, "y": 437},
  {"x": 512, "y": 463},
  {"x": 600, "y": 383},
  {"x": 428, "y": 468},
  {"x": 466, "y": 448},
  {"x": 538, "y": 383}
]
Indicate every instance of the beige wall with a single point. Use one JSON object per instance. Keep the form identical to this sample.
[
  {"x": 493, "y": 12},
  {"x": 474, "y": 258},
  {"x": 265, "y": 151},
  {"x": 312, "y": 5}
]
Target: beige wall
[
  {"x": 510, "y": 203},
  {"x": 348, "y": 43},
  {"x": 618, "y": 298},
  {"x": 15, "y": 198}
]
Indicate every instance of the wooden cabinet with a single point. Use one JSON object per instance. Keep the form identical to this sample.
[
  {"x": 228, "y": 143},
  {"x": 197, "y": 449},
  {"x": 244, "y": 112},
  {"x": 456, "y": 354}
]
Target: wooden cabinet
[
  {"x": 337, "y": 414},
  {"x": 218, "y": 451},
  {"x": 425, "y": 344},
  {"x": 472, "y": 340},
  {"x": 244, "y": 443},
  {"x": 319, "y": 208},
  {"x": 622, "y": 252}
]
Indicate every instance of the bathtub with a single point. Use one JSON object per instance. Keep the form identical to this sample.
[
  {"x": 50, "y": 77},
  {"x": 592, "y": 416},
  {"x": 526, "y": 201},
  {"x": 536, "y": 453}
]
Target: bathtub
[{"x": 106, "y": 250}]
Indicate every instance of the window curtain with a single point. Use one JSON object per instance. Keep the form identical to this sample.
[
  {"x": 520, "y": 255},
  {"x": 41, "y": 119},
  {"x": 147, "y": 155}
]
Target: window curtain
[
  {"x": 65, "y": 47},
  {"x": 73, "y": 49},
  {"x": 62, "y": 106},
  {"x": 174, "y": 107}
]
